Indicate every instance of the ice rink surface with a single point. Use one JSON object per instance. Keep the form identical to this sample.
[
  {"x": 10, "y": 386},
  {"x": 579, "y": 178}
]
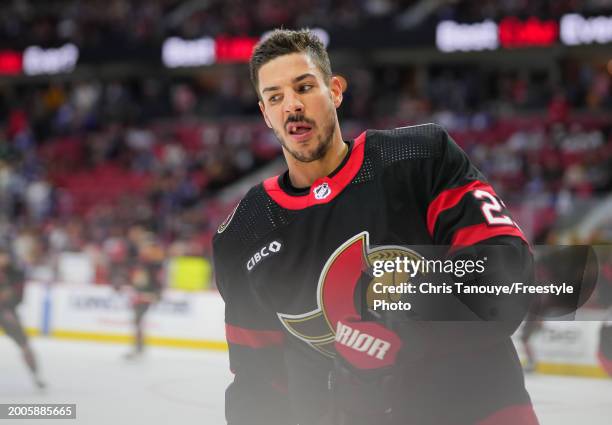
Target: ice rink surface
[{"x": 186, "y": 386}]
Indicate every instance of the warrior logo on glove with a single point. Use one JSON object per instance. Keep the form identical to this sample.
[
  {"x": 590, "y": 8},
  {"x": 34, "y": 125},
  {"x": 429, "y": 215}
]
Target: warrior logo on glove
[{"x": 338, "y": 285}]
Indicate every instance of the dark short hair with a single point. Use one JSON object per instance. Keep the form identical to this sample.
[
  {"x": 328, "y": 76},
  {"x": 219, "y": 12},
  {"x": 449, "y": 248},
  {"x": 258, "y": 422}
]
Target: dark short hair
[{"x": 282, "y": 42}]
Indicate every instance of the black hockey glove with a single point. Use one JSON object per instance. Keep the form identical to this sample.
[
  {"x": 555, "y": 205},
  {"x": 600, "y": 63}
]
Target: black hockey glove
[{"x": 363, "y": 377}]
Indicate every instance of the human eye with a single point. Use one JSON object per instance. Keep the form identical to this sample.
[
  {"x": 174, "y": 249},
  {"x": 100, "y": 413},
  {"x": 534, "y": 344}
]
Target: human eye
[
  {"x": 305, "y": 87},
  {"x": 274, "y": 98}
]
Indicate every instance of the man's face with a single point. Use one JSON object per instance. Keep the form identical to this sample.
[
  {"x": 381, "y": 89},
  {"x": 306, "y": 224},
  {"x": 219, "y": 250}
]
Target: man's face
[{"x": 298, "y": 105}]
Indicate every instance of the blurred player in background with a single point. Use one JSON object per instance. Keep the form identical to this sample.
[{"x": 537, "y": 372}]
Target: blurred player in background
[
  {"x": 12, "y": 280},
  {"x": 145, "y": 280},
  {"x": 605, "y": 344},
  {"x": 529, "y": 329},
  {"x": 605, "y": 301},
  {"x": 117, "y": 251}
]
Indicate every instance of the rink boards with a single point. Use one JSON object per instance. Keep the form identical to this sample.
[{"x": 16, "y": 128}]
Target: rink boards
[
  {"x": 195, "y": 320},
  {"x": 99, "y": 313}
]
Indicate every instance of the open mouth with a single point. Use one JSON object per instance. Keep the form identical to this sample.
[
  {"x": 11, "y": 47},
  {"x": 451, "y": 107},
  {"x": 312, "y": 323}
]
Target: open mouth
[{"x": 298, "y": 128}]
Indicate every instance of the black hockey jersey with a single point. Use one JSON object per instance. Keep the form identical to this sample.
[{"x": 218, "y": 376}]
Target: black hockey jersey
[{"x": 286, "y": 263}]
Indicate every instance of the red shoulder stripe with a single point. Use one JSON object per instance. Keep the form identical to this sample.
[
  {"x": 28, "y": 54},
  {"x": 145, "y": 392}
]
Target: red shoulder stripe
[
  {"x": 449, "y": 198},
  {"x": 471, "y": 235},
  {"x": 251, "y": 338}
]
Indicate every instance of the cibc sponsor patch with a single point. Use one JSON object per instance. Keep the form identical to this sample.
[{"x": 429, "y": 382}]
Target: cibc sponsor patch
[{"x": 270, "y": 249}]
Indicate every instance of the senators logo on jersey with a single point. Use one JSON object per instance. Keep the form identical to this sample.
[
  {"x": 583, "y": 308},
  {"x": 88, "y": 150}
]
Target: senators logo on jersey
[{"x": 339, "y": 281}]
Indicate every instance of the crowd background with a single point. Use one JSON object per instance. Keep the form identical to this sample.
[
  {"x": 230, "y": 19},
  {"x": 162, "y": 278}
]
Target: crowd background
[
  {"x": 95, "y": 21},
  {"x": 99, "y": 163}
]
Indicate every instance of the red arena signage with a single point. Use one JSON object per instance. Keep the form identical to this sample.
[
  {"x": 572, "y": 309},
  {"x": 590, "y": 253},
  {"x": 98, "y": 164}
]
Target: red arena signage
[
  {"x": 10, "y": 62},
  {"x": 510, "y": 33},
  {"x": 531, "y": 33},
  {"x": 234, "y": 49},
  {"x": 178, "y": 52}
]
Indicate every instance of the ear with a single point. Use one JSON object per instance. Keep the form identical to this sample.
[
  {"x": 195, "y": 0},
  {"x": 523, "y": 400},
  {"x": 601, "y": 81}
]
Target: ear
[
  {"x": 335, "y": 86},
  {"x": 262, "y": 108}
]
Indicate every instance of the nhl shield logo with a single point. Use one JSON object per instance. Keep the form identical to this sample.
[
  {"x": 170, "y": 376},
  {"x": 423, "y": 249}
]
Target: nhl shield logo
[{"x": 322, "y": 191}]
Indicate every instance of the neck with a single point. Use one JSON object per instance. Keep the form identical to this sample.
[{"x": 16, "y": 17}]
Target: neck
[{"x": 304, "y": 174}]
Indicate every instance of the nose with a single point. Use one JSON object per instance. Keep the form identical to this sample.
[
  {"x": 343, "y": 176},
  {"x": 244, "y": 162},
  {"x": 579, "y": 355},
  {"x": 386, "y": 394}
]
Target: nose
[{"x": 293, "y": 103}]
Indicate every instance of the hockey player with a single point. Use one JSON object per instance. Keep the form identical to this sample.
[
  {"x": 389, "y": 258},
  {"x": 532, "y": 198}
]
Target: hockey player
[
  {"x": 605, "y": 300},
  {"x": 605, "y": 345},
  {"x": 11, "y": 294},
  {"x": 146, "y": 278},
  {"x": 291, "y": 257}
]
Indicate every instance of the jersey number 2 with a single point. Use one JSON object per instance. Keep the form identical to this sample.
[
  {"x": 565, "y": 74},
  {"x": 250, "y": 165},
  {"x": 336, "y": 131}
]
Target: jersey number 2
[{"x": 491, "y": 209}]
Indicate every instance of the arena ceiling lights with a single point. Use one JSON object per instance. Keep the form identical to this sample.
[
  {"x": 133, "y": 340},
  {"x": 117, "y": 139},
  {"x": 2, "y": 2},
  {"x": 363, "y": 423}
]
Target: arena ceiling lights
[
  {"x": 452, "y": 36},
  {"x": 35, "y": 60},
  {"x": 576, "y": 29},
  {"x": 38, "y": 61},
  {"x": 178, "y": 52},
  {"x": 511, "y": 33}
]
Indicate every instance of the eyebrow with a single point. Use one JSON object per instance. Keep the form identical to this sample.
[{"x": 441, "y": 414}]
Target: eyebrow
[{"x": 295, "y": 80}]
